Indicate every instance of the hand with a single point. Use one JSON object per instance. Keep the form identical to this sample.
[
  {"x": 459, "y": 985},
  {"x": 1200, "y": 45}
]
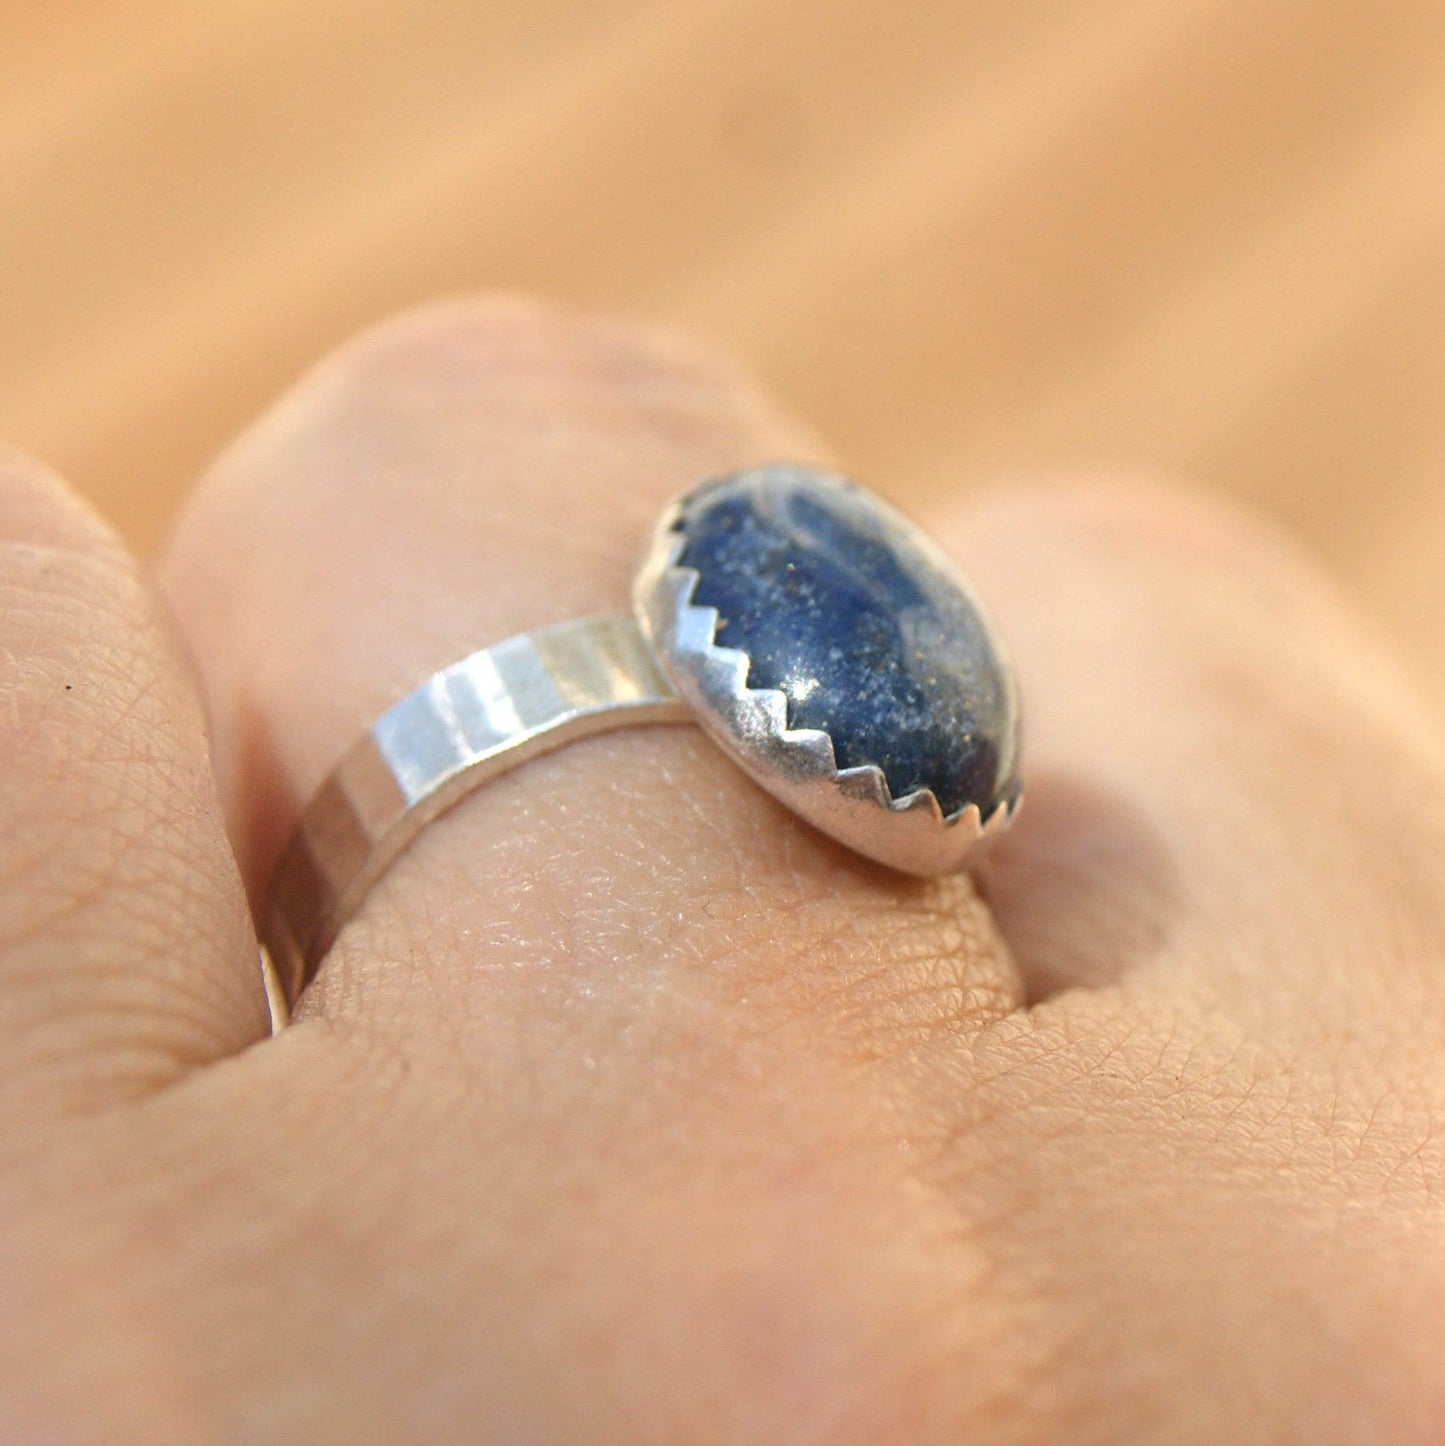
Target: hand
[{"x": 631, "y": 1110}]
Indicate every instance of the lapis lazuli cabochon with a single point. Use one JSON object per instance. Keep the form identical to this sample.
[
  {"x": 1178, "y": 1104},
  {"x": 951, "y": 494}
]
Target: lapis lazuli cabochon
[{"x": 843, "y": 608}]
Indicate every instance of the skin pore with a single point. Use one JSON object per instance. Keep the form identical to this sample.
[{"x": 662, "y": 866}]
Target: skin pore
[{"x": 629, "y": 1109}]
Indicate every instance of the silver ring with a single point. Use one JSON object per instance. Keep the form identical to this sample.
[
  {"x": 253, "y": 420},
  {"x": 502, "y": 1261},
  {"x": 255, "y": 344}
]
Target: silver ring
[{"x": 817, "y": 635}]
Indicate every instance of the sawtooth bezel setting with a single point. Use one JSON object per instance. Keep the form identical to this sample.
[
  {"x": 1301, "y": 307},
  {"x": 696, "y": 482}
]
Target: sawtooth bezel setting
[{"x": 798, "y": 765}]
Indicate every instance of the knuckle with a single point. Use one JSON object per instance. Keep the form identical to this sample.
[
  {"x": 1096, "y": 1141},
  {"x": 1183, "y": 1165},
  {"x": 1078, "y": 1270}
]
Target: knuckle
[{"x": 550, "y": 355}]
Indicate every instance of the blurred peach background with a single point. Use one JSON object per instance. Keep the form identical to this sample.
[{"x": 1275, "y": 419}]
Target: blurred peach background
[{"x": 967, "y": 238}]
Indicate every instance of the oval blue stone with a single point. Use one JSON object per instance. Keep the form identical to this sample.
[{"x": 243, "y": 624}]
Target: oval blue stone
[{"x": 842, "y": 606}]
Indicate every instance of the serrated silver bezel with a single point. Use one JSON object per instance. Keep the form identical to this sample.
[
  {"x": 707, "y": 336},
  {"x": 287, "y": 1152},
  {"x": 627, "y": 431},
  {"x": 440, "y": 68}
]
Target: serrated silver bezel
[{"x": 796, "y": 765}]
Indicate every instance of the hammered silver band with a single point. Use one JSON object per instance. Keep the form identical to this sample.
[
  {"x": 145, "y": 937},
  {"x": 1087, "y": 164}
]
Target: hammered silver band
[{"x": 464, "y": 726}]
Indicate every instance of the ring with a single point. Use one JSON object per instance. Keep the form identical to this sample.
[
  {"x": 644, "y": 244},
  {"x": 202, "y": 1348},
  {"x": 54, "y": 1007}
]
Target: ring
[{"x": 829, "y": 647}]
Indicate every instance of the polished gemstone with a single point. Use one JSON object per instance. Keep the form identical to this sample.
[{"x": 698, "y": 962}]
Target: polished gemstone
[{"x": 840, "y": 603}]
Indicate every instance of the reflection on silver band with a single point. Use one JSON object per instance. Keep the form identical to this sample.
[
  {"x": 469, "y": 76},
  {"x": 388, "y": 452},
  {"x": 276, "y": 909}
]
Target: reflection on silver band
[{"x": 462, "y": 727}]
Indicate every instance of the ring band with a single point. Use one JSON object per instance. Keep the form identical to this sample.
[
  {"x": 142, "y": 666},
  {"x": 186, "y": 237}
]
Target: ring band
[
  {"x": 831, "y": 650},
  {"x": 463, "y": 727}
]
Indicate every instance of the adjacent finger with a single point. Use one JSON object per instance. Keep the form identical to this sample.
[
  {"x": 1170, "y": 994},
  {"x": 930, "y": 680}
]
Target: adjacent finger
[
  {"x": 126, "y": 952},
  {"x": 1234, "y": 795}
]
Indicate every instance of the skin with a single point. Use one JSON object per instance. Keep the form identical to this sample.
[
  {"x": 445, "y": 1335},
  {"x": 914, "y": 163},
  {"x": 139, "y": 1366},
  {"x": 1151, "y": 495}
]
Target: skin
[{"x": 631, "y": 1110}]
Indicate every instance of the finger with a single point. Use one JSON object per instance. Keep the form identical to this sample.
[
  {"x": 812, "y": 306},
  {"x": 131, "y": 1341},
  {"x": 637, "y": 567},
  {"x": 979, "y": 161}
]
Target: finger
[
  {"x": 1234, "y": 795},
  {"x": 126, "y": 953},
  {"x": 461, "y": 475}
]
